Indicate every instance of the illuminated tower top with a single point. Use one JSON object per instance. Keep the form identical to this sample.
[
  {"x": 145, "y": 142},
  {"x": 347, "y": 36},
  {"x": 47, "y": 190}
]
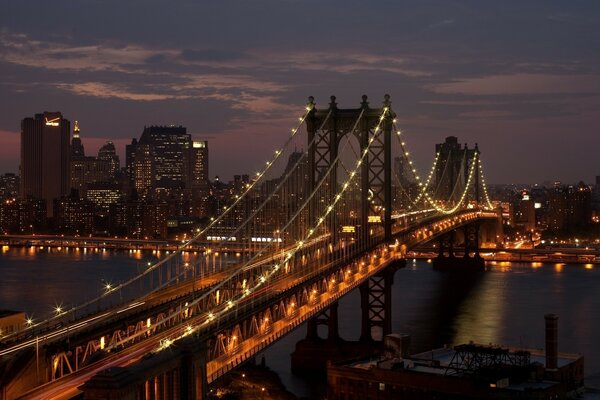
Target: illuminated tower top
[
  {"x": 77, "y": 149},
  {"x": 76, "y": 130}
]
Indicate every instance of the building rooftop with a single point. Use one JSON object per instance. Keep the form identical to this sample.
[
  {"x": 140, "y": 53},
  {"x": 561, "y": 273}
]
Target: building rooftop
[{"x": 8, "y": 313}]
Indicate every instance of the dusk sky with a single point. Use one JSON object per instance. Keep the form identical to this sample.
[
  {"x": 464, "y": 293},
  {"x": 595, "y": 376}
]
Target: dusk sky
[{"x": 520, "y": 78}]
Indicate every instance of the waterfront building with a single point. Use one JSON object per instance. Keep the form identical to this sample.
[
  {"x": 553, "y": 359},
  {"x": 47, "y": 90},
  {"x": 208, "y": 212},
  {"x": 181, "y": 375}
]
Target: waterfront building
[
  {"x": 154, "y": 220},
  {"x": 569, "y": 208},
  {"x": 522, "y": 212},
  {"x": 74, "y": 215},
  {"x": 103, "y": 195},
  {"x": 11, "y": 321},
  {"x": 45, "y": 157},
  {"x": 9, "y": 186}
]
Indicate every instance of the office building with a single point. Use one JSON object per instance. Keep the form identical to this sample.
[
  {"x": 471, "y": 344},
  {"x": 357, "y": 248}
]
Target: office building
[
  {"x": 108, "y": 154},
  {"x": 45, "y": 157},
  {"x": 171, "y": 147},
  {"x": 199, "y": 167},
  {"x": 166, "y": 158}
]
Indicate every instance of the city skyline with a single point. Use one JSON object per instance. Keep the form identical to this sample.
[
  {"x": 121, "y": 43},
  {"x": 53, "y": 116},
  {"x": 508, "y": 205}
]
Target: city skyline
[{"x": 517, "y": 78}]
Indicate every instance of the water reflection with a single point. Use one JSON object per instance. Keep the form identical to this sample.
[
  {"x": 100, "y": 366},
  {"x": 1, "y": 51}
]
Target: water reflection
[{"x": 480, "y": 316}]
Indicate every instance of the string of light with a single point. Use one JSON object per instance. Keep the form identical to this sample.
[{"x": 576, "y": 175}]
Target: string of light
[
  {"x": 265, "y": 278},
  {"x": 483, "y": 184},
  {"x": 108, "y": 290}
]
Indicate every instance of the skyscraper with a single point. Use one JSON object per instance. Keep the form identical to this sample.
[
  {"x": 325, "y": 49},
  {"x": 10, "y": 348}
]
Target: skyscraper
[
  {"x": 45, "y": 157},
  {"x": 108, "y": 153},
  {"x": 77, "y": 149},
  {"x": 199, "y": 167},
  {"x": 165, "y": 157},
  {"x": 89, "y": 169},
  {"x": 171, "y": 147}
]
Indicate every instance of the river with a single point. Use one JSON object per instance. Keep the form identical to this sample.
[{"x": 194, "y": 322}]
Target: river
[{"x": 505, "y": 305}]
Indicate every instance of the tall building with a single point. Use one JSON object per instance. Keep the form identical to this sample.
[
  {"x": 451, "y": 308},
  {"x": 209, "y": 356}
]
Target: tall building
[
  {"x": 77, "y": 149},
  {"x": 86, "y": 170},
  {"x": 143, "y": 169},
  {"x": 569, "y": 208},
  {"x": 165, "y": 157},
  {"x": 108, "y": 153},
  {"x": 171, "y": 147},
  {"x": 199, "y": 167},
  {"x": 45, "y": 157}
]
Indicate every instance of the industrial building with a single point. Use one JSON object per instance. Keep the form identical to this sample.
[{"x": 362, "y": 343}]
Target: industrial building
[{"x": 465, "y": 372}]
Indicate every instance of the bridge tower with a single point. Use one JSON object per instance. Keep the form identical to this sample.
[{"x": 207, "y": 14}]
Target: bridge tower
[{"x": 326, "y": 128}]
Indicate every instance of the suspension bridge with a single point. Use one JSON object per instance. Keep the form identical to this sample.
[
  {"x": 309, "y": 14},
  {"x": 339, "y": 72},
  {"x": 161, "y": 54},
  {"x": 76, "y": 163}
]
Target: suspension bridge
[{"x": 308, "y": 228}]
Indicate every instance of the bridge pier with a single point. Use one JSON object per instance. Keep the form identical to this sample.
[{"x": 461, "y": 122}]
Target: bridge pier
[
  {"x": 469, "y": 262},
  {"x": 376, "y": 305},
  {"x": 312, "y": 353}
]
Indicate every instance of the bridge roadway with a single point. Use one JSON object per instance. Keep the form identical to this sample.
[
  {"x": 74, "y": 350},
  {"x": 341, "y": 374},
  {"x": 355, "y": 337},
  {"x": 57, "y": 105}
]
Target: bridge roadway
[
  {"x": 180, "y": 291},
  {"x": 381, "y": 256}
]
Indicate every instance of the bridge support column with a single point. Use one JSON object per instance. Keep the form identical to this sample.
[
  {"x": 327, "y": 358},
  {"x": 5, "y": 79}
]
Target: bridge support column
[
  {"x": 329, "y": 318},
  {"x": 193, "y": 383},
  {"x": 466, "y": 262},
  {"x": 333, "y": 334},
  {"x": 376, "y": 304}
]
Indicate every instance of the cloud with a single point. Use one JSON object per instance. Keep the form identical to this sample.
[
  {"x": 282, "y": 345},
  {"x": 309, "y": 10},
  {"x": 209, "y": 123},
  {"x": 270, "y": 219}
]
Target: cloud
[
  {"x": 105, "y": 90},
  {"x": 441, "y": 24},
  {"x": 22, "y": 50},
  {"x": 487, "y": 114},
  {"x": 521, "y": 83},
  {"x": 211, "y": 55}
]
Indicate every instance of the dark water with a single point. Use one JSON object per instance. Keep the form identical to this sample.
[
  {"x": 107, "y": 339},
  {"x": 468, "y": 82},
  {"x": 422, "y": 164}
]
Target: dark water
[{"x": 505, "y": 305}]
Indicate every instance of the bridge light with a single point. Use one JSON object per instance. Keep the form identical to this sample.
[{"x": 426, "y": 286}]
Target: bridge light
[
  {"x": 58, "y": 310},
  {"x": 29, "y": 321}
]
